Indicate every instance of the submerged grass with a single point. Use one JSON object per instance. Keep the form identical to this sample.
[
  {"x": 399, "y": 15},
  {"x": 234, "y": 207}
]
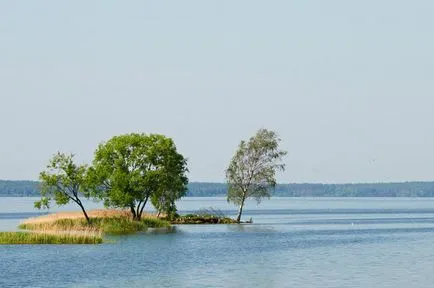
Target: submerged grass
[{"x": 48, "y": 238}]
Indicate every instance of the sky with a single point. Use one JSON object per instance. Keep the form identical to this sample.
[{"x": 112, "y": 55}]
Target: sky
[{"x": 347, "y": 85}]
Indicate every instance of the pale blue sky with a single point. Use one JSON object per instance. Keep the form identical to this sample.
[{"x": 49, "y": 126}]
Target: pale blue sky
[{"x": 348, "y": 85}]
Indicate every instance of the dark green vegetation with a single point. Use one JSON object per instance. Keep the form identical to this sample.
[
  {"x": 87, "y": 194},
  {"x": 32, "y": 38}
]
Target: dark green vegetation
[
  {"x": 132, "y": 169},
  {"x": 203, "y": 219},
  {"x": 252, "y": 170},
  {"x": 127, "y": 171},
  {"x": 204, "y": 216},
  {"x": 47, "y": 238},
  {"x": 207, "y": 189}
]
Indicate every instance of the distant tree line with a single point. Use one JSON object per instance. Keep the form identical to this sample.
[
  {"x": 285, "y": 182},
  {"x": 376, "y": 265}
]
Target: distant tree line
[
  {"x": 207, "y": 189},
  {"x": 19, "y": 188},
  {"x": 404, "y": 189}
]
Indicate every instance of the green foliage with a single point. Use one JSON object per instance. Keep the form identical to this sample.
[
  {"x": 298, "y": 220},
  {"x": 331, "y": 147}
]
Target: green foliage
[
  {"x": 121, "y": 225},
  {"x": 155, "y": 222},
  {"x": 45, "y": 238},
  {"x": 130, "y": 169},
  {"x": 203, "y": 219},
  {"x": 43, "y": 203},
  {"x": 252, "y": 170},
  {"x": 204, "y": 216},
  {"x": 62, "y": 181}
]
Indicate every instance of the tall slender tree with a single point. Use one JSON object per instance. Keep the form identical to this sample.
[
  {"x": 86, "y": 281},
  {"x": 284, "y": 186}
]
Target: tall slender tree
[
  {"x": 251, "y": 172},
  {"x": 63, "y": 181}
]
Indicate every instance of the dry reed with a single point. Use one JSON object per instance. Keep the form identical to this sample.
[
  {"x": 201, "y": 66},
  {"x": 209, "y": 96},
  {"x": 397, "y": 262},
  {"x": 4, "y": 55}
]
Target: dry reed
[{"x": 102, "y": 221}]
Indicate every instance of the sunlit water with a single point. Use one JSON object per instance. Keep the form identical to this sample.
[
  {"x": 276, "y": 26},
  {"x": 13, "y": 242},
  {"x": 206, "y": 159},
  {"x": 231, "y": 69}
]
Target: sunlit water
[{"x": 294, "y": 242}]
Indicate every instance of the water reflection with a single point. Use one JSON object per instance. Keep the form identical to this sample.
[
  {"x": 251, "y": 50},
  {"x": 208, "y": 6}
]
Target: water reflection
[
  {"x": 255, "y": 228},
  {"x": 162, "y": 230},
  {"x": 292, "y": 243}
]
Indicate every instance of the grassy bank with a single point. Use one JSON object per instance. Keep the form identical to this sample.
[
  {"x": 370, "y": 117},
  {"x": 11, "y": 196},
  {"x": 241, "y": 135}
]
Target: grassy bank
[
  {"x": 49, "y": 238},
  {"x": 102, "y": 221},
  {"x": 204, "y": 216},
  {"x": 203, "y": 219},
  {"x": 72, "y": 228}
]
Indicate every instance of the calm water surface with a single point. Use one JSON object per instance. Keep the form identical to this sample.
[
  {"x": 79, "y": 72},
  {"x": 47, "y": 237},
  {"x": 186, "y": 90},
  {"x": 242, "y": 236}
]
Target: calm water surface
[{"x": 294, "y": 242}]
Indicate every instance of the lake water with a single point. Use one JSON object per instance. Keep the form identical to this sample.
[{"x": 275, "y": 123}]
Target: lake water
[{"x": 293, "y": 242}]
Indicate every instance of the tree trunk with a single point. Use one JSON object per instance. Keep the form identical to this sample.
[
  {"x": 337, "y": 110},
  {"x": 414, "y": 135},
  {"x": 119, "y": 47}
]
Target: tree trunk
[
  {"x": 240, "y": 211},
  {"x": 239, "y": 214},
  {"x": 139, "y": 213},
  {"x": 133, "y": 212},
  {"x": 84, "y": 212}
]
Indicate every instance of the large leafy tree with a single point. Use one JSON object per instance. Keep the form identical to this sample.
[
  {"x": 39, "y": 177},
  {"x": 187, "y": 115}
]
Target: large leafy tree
[
  {"x": 63, "y": 181},
  {"x": 130, "y": 169},
  {"x": 252, "y": 170},
  {"x": 172, "y": 184}
]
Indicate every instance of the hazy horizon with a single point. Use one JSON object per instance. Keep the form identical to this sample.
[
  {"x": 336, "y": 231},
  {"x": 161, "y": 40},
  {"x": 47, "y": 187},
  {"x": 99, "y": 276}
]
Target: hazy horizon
[
  {"x": 348, "y": 86},
  {"x": 280, "y": 183}
]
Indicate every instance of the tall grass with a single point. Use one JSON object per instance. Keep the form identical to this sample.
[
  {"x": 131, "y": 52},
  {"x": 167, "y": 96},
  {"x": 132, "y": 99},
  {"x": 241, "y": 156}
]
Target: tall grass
[
  {"x": 155, "y": 222},
  {"x": 72, "y": 228},
  {"x": 119, "y": 225},
  {"x": 48, "y": 238},
  {"x": 59, "y": 225},
  {"x": 102, "y": 221}
]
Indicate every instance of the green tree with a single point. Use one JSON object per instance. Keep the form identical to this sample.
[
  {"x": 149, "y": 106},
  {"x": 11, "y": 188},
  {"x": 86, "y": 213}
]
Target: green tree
[
  {"x": 252, "y": 170},
  {"x": 63, "y": 181},
  {"x": 172, "y": 184},
  {"x": 130, "y": 169}
]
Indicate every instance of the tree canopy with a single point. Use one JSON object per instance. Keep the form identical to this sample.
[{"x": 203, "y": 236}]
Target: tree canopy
[
  {"x": 63, "y": 181},
  {"x": 130, "y": 169},
  {"x": 252, "y": 170}
]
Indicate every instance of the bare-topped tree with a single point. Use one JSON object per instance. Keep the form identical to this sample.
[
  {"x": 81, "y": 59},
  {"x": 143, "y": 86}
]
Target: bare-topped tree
[{"x": 252, "y": 170}]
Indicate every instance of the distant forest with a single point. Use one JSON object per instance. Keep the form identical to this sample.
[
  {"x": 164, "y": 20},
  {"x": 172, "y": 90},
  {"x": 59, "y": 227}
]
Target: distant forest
[{"x": 198, "y": 189}]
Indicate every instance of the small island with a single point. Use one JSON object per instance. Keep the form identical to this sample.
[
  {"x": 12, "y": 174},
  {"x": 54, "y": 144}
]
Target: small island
[
  {"x": 128, "y": 172},
  {"x": 73, "y": 228}
]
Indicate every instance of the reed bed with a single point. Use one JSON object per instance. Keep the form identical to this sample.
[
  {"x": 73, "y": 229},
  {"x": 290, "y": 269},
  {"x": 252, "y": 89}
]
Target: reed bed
[
  {"x": 72, "y": 227},
  {"x": 99, "y": 213},
  {"x": 102, "y": 221},
  {"x": 49, "y": 238}
]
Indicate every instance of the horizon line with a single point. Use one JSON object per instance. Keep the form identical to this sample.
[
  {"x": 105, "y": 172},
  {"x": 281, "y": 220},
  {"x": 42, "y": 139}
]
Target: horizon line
[{"x": 289, "y": 183}]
